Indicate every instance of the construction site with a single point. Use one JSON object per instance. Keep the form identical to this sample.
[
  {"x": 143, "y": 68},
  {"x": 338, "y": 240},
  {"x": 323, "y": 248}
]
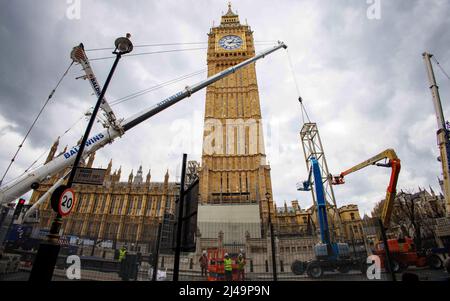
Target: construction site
[{"x": 222, "y": 215}]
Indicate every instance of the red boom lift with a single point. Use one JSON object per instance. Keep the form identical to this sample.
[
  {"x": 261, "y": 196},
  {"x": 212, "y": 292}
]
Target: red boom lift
[{"x": 403, "y": 250}]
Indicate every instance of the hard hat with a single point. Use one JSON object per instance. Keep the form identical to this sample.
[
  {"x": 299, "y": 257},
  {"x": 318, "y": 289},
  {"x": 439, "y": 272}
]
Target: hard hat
[
  {"x": 226, "y": 254},
  {"x": 204, "y": 251}
]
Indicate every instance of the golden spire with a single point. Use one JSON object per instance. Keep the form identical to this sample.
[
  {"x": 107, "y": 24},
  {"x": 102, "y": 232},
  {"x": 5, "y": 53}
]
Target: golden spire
[
  {"x": 91, "y": 160},
  {"x": 130, "y": 177},
  {"x": 230, "y": 18},
  {"x": 166, "y": 177},
  {"x": 108, "y": 169},
  {"x": 53, "y": 150},
  {"x": 229, "y": 12},
  {"x": 148, "y": 176},
  {"x": 119, "y": 172}
]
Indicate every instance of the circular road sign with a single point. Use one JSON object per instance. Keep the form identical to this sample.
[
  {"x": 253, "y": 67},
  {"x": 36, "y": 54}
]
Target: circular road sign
[{"x": 66, "y": 202}]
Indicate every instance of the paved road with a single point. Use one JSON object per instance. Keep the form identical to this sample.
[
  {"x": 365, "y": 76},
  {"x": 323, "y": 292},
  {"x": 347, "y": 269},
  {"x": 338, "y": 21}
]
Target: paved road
[{"x": 423, "y": 273}]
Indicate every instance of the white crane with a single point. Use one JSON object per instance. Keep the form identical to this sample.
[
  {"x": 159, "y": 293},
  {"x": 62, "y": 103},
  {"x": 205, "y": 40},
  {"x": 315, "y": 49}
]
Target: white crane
[
  {"x": 30, "y": 180},
  {"x": 442, "y": 133}
]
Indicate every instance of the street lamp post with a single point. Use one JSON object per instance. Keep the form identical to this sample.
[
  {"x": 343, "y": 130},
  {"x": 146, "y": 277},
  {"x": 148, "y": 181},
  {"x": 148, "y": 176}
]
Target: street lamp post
[
  {"x": 272, "y": 240},
  {"x": 47, "y": 254}
]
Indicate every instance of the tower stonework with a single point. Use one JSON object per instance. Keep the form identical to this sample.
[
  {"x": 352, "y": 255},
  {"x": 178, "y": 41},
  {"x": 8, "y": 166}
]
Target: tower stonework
[{"x": 234, "y": 168}]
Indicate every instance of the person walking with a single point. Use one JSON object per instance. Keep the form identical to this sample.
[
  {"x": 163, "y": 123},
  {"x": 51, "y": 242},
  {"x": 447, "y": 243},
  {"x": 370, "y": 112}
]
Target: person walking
[
  {"x": 204, "y": 263},
  {"x": 241, "y": 267},
  {"x": 228, "y": 267}
]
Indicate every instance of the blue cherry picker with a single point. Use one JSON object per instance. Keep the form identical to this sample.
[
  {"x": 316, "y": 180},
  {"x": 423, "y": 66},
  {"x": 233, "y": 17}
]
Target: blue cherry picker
[{"x": 329, "y": 255}]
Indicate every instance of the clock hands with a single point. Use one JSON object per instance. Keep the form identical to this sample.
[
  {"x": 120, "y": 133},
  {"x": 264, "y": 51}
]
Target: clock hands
[{"x": 230, "y": 42}]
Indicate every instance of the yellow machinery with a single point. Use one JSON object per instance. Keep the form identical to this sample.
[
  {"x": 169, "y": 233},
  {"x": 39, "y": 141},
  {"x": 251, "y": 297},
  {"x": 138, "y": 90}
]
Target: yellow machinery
[{"x": 394, "y": 163}]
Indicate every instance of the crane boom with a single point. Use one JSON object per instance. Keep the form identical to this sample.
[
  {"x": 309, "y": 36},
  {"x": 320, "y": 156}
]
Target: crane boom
[
  {"x": 442, "y": 133},
  {"x": 79, "y": 55},
  {"x": 14, "y": 189},
  {"x": 394, "y": 164},
  {"x": 322, "y": 214}
]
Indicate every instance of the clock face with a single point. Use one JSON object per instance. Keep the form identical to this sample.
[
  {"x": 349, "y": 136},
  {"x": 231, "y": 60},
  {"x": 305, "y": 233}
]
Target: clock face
[{"x": 230, "y": 42}]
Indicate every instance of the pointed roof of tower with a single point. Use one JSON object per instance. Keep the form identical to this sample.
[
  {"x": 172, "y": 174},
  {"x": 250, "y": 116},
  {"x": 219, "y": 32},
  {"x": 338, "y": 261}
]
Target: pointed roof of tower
[
  {"x": 91, "y": 160},
  {"x": 138, "y": 178},
  {"x": 230, "y": 12},
  {"x": 52, "y": 151},
  {"x": 130, "y": 177},
  {"x": 148, "y": 176},
  {"x": 56, "y": 143},
  {"x": 108, "y": 169},
  {"x": 166, "y": 177},
  {"x": 230, "y": 18},
  {"x": 432, "y": 191}
]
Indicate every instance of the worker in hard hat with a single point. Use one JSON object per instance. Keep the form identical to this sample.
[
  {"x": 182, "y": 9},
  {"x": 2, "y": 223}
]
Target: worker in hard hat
[
  {"x": 204, "y": 263},
  {"x": 241, "y": 267},
  {"x": 123, "y": 271},
  {"x": 228, "y": 267}
]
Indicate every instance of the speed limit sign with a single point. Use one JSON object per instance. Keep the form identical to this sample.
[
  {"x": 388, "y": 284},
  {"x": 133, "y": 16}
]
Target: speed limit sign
[{"x": 66, "y": 202}]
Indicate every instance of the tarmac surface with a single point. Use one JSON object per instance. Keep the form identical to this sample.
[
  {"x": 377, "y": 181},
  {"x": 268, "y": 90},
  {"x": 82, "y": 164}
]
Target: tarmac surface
[{"x": 424, "y": 274}]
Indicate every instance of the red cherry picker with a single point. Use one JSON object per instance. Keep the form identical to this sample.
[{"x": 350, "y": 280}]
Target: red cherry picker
[{"x": 400, "y": 251}]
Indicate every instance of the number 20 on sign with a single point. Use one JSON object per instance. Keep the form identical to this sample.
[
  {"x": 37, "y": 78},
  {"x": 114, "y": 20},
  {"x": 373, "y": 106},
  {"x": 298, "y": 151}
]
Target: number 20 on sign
[{"x": 66, "y": 202}]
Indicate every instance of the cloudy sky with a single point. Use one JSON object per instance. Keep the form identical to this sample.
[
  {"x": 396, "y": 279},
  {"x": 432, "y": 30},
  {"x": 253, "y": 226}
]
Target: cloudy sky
[{"x": 362, "y": 79}]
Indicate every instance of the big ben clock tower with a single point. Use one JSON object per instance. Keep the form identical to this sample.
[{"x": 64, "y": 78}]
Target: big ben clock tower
[{"x": 234, "y": 169}]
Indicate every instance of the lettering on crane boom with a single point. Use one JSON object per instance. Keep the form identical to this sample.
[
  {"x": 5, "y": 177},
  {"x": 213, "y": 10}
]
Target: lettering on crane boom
[
  {"x": 170, "y": 99},
  {"x": 89, "y": 142},
  {"x": 95, "y": 84}
]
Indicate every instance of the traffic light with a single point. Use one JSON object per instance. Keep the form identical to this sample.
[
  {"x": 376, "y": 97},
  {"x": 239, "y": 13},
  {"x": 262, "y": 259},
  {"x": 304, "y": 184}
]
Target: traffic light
[{"x": 19, "y": 207}]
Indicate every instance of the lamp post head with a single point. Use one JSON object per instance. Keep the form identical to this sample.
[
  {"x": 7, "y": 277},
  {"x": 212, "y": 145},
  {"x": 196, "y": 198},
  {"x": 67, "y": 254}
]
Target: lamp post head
[{"x": 123, "y": 45}]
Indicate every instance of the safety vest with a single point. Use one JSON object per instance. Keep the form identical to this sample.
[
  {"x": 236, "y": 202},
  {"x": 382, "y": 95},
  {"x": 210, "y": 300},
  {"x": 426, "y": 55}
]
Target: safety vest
[
  {"x": 241, "y": 263},
  {"x": 227, "y": 264},
  {"x": 122, "y": 254}
]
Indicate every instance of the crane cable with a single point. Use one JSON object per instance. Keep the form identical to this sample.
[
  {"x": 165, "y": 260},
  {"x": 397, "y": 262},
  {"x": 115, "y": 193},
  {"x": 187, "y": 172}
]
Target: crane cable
[
  {"x": 172, "y": 44},
  {"x": 300, "y": 99},
  {"x": 156, "y": 87},
  {"x": 146, "y": 53},
  {"x": 154, "y": 52},
  {"x": 34, "y": 122},
  {"x": 65, "y": 132},
  {"x": 440, "y": 67}
]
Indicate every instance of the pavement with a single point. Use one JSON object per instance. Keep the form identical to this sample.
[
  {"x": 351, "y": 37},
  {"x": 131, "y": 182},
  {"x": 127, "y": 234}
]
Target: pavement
[{"x": 424, "y": 274}]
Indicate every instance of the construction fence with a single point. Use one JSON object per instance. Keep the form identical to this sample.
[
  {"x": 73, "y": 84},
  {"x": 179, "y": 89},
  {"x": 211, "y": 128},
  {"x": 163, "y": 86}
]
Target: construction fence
[{"x": 90, "y": 259}]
